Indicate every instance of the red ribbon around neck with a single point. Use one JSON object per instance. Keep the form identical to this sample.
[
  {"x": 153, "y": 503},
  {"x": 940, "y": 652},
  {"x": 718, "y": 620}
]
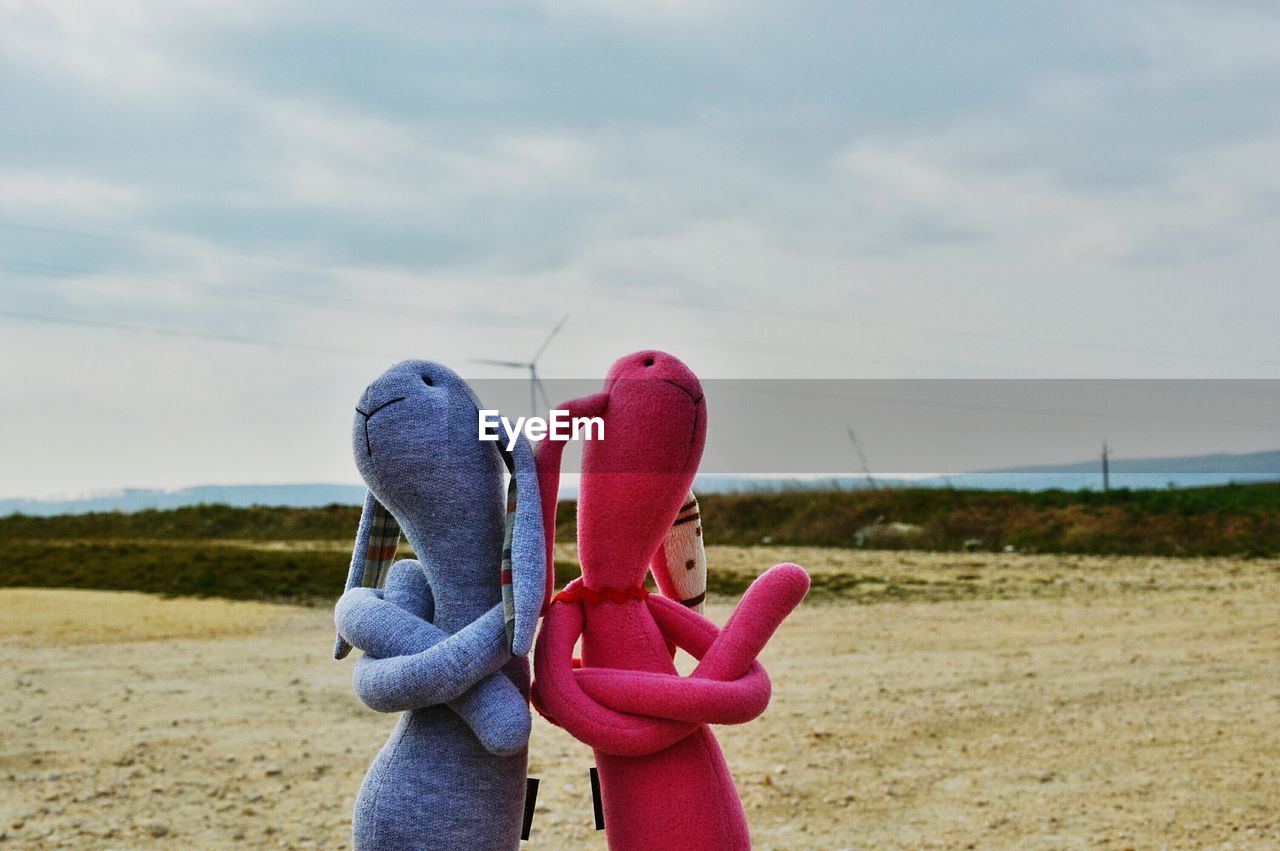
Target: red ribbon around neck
[{"x": 611, "y": 595}]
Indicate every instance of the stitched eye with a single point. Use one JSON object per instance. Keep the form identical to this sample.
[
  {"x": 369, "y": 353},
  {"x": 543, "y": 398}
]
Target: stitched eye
[
  {"x": 689, "y": 565},
  {"x": 426, "y": 379},
  {"x": 648, "y": 361}
]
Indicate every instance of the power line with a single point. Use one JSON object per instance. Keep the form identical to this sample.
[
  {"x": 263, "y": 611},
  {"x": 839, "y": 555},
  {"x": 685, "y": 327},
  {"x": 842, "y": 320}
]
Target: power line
[
  {"x": 658, "y": 300},
  {"x": 400, "y": 309},
  {"x": 310, "y": 347},
  {"x": 327, "y": 300},
  {"x": 174, "y": 332},
  {"x": 977, "y": 406},
  {"x": 748, "y": 346},
  {"x": 397, "y": 309}
]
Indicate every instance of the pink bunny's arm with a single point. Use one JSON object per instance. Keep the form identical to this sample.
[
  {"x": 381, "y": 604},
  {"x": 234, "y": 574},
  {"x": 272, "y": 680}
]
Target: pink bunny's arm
[
  {"x": 684, "y": 627},
  {"x": 598, "y": 726},
  {"x": 698, "y": 699},
  {"x": 759, "y": 613},
  {"x": 694, "y": 700}
]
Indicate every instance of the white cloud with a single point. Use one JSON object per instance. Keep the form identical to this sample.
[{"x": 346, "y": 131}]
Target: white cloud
[
  {"x": 654, "y": 11},
  {"x": 23, "y": 191},
  {"x": 1208, "y": 41},
  {"x": 132, "y": 48}
]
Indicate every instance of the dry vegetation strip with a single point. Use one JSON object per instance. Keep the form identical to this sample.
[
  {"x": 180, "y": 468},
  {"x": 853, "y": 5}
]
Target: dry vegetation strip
[
  {"x": 313, "y": 572},
  {"x": 1226, "y": 520}
]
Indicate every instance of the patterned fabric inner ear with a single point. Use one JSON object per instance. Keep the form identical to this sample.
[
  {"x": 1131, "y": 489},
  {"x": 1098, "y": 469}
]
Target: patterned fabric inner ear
[
  {"x": 384, "y": 540},
  {"x": 508, "y": 590},
  {"x": 686, "y": 556}
]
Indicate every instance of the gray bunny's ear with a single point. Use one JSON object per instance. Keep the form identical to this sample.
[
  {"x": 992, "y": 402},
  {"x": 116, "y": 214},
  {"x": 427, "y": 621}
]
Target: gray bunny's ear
[
  {"x": 377, "y": 539},
  {"x": 524, "y": 555}
]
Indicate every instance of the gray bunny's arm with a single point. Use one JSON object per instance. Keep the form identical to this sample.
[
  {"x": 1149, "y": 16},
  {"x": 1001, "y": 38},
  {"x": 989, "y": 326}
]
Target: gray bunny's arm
[
  {"x": 495, "y": 709},
  {"x": 380, "y": 624},
  {"x": 438, "y": 667},
  {"x": 408, "y": 588},
  {"x": 439, "y": 674}
]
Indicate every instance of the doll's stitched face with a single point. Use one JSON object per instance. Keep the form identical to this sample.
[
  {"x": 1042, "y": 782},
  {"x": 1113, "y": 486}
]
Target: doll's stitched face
[
  {"x": 655, "y": 420},
  {"x": 414, "y": 439},
  {"x": 635, "y": 478}
]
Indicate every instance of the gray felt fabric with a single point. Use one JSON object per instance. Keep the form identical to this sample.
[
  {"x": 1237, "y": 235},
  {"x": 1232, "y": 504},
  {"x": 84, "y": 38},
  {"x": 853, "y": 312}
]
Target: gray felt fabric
[
  {"x": 406, "y": 664},
  {"x": 452, "y": 774}
]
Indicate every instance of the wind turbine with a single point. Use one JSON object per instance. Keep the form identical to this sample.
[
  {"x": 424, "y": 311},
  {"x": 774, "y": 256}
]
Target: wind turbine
[{"x": 535, "y": 383}]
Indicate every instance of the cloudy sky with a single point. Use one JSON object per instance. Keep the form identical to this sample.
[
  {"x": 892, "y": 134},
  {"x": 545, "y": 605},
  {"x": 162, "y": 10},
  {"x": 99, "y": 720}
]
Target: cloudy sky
[{"x": 218, "y": 221}]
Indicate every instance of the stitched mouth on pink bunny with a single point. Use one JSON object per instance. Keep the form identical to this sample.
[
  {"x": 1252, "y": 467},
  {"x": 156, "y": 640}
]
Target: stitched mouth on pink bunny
[
  {"x": 695, "y": 396},
  {"x": 697, "y": 400},
  {"x": 650, "y": 426}
]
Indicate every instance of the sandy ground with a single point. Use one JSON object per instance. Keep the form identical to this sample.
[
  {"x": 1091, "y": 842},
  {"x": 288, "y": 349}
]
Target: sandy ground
[{"x": 1136, "y": 707}]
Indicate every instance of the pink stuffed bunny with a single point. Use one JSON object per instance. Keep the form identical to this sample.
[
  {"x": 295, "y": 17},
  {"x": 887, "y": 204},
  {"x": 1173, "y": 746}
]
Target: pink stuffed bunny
[{"x": 664, "y": 782}]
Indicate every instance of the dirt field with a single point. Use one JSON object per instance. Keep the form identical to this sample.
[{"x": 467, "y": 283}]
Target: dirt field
[{"x": 1116, "y": 703}]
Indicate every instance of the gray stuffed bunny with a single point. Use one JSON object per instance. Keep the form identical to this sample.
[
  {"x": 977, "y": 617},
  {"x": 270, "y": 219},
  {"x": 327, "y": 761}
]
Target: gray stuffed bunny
[{"x": 445, "y": 641}]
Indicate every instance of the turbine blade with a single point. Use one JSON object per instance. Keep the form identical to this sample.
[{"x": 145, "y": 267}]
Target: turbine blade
[{"x": 550, "y": 337}]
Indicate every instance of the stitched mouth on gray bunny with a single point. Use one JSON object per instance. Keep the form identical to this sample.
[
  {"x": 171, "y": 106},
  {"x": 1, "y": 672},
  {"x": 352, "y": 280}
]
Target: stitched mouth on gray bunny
[{"x": 368, "y": 444}]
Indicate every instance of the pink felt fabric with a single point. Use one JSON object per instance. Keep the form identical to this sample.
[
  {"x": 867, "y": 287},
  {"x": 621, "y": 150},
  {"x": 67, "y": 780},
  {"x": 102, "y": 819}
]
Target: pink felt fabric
[{"x": 664, "y": 781}]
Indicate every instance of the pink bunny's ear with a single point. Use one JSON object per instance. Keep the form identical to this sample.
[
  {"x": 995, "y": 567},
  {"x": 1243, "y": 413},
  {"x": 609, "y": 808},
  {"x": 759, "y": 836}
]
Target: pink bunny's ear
[
  {"x": 547, "y": 458},
  {"x": 680, "y": 564}
]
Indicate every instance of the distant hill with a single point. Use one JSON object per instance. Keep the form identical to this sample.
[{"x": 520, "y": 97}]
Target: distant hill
[
  {"x": 1133, "y": 473},
  {"x": 1222, "y": 463},
  {"x": 1192, "y": 471},
  {"x": 241, "y": 496}
]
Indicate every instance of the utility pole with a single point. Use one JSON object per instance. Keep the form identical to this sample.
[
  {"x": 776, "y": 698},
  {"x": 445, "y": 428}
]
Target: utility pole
[
  {"x": 866, "y": 468},
  {"x": 1106, "y": 470}
]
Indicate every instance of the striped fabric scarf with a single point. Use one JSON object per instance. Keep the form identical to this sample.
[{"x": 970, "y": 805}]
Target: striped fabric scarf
[
  {"x": 508, "y": 591},
  {"x": 384, "y": 540}
]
